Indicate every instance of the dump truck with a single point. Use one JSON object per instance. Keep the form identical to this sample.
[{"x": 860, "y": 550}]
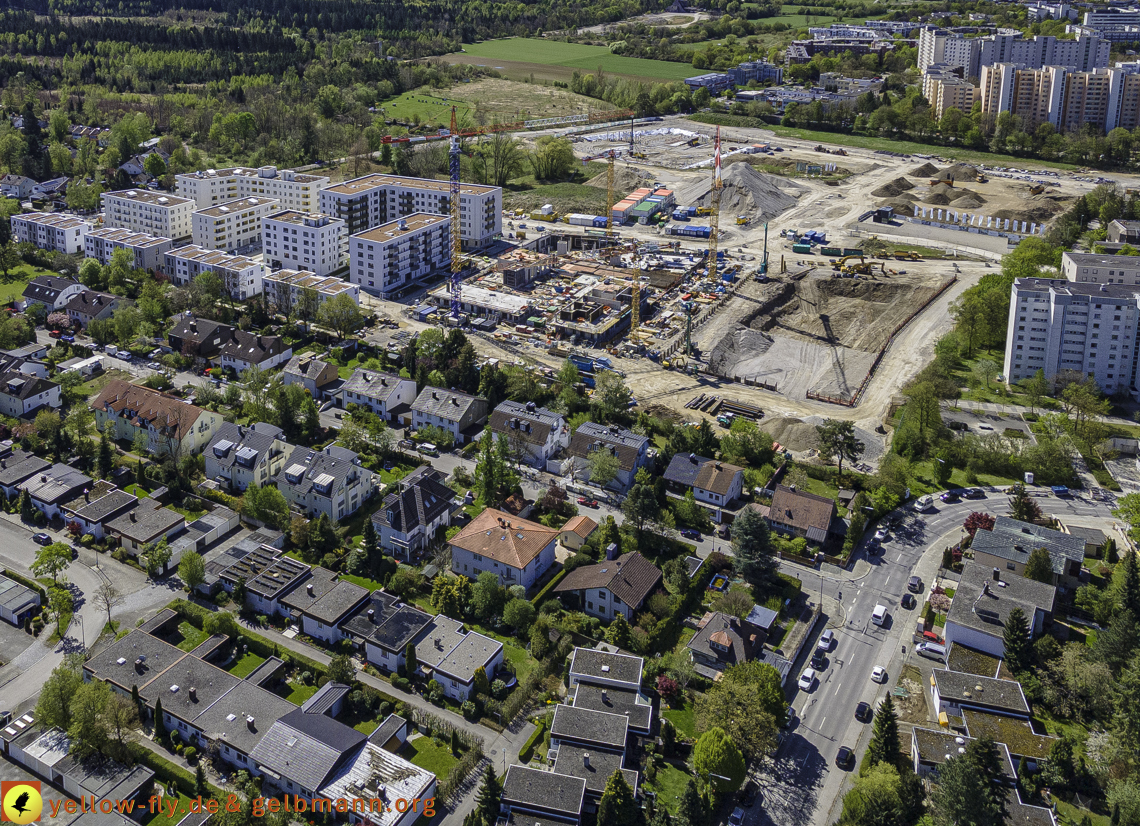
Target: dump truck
[
  {"x": 1036, "y": 189},
  {"x": 742, "y": 220}
]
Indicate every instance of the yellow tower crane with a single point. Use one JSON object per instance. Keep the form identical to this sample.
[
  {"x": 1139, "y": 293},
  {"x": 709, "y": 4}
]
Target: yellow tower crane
[
  {"x": 714, "y": 223},
  {"x": 610, "y": 195}
]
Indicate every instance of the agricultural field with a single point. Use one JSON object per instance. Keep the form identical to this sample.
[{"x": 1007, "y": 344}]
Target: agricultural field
[
  {"x": 524, "y": 58},
  {"x": 489, "y": 100}
]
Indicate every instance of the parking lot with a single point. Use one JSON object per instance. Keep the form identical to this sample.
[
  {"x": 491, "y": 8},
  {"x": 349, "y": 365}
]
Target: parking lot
[{"x": 983, "y": 424}]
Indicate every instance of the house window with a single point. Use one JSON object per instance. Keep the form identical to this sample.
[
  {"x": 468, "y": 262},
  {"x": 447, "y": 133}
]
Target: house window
[{"x": 1010, "y": 566}]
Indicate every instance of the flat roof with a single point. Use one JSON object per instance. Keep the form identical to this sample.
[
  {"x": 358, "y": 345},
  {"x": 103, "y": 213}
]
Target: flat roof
[
  {"x": 128, "y": 238},
  {"x": 984, "y": 692},
  {"x": 136, "y": 659},
  {"x": 358, "y": 185},
  {"x": 604, "y": 665},
  {"x": 595, "y": 767},
  {"x": 146, "y": 196},
  {"x": 212, "y": 258},
  {"x": 294, "y": 216},
  {"x": 415, "y": 222},
  {"x": 237, "y": 205},
  {"x": 583, "y": 724}
]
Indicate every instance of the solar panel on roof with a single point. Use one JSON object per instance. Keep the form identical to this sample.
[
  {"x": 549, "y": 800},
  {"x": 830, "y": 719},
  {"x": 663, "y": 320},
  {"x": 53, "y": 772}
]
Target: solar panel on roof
[{"x": 221, "y": 447}]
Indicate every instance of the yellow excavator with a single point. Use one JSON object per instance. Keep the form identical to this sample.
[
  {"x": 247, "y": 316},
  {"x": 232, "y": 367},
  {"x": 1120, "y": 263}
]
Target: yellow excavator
[{"x": 841, "y": 263}]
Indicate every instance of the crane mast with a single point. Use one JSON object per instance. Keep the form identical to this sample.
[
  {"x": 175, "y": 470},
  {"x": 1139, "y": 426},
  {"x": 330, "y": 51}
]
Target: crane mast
[
  {"x": 715, "y": 223},
  {"x": 610, "y": 195},
  {"x": 456, "y": 244}
]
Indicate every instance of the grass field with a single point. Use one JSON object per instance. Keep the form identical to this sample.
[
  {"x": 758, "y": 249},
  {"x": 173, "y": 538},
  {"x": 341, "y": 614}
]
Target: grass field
[
  {"x": 162, "y": 817},
  {"x": 490, "y": 100},
  {"x": 17, "y": 278},
  {"x": 521, "y": 58},
  {"x": 670, "y": 786},
  {"x": 427, "y": 754},
  {"x": 192, "y": 636},
  {"x": 246, "y": 666}
]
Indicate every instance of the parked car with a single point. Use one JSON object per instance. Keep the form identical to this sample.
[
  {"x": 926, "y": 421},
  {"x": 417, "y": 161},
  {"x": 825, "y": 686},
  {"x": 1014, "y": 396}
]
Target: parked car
[
  {"x": 908, "y": 601},
  {"x": 950, "y": 496},
  {"x": 807, "y": 679},
  {"x": 1060, "y": 490},
  {"x": 844, "y": 757},
  {"x": 54, "y": 334},
  {"x": 586, "y": 502},
  {"x": 932, "y": 650},
  {"x": 41, "y": 539},
  {"x": 825, "y": 640},
  {"x": 924, "y": 503},
  {"x": 862, "y": 711},
  {"x": 736, "y": 818},
  {"x": 880, "y": 534},
  {"x": 690, "y": 533},
  {"x": 914, "y": 585},
  {"x": 975, "y": 493},
  {"x": 878, "y": 674}
]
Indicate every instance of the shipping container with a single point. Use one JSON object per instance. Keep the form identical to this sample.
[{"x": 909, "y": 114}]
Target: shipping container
[
  {"x": 834, "y": 252},
  {"x": 599, "y": 222},
  {"x": 801, "y": 248},
  {"x": 852, "y": 251},
  {"x": 680, "y": 215}
]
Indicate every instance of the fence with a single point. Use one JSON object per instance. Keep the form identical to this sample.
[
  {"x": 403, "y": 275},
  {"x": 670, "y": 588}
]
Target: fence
[{"x": 931, "y": 242}]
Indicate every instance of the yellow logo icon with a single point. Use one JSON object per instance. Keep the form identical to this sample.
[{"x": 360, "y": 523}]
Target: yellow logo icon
[{"x": 22, "y": 801}]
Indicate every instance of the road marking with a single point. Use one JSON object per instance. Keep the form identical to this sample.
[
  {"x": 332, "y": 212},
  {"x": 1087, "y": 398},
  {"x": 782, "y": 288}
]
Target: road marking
[
  {"x": 836, "y": 690},
  {"x": 899, "y": 558},
  {"x": 821, "y": 722},
  {"x": 888, "y": 579}
]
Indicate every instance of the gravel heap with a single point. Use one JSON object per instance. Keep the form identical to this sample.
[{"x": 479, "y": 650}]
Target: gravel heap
[
  {"x": 960, "y": 172},
  {"x": 925, "y": 171},
  {"x": 892, "y": 188},
  {"x": 744, "y": 192}
]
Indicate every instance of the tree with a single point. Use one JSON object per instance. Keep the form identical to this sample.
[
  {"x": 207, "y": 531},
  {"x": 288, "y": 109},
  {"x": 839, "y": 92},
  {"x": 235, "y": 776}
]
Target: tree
[
  {"x": 192, "y": 570},
  {"x": 266, "y": 504},
  {"x": 487, "y": 802},
  {"x": 754, "y": 557},
  {"x": 617, "y": 804},
  {"x": 1018, "y": 648},
  {"x": 1023, "y": 507},
  {"x": 494, "y": 479},
  {"x": 985, "y": 370},
  {"x": 88, "y": 731},
  {"x": 488, "y": 596},
  {"x": 735, "y": 602},
  {"x": 499, "y": 159},
  {"x": 201, "y": 787},
  {"x": 970, "y": 788},
  {"x": 1039, "y": 566},
  {"x": 604, "y": 467},
  {"x": 691, "y": 810},
  {"x": 105, "y": 462},
  {"x": 341, "y": 315},
  {"x": 977, "y": 521},
  {"x": 718, "y": 761},
  {"x": 735, "y": 708},
  {"x": 1036, "y": 387},
  {"x": 340, "y": 670},
  {"x": 121, "y": 716},
  {"x": 51, "y": 560},
  {"x": 1125, "y": 727},
  {"x": 62, "y": 604},
  {"x": 157, "y": 557},
  {"x": 883, "y": 797},
  {"x": 837, "y": 441},
  {"x": 519, "y": 614},
  {"x": 411, "y": 659},
  {"x": 108, "y": 597},
  {"x": 450, "y": 595},
  {"x": 1130, "y": 584},
  {"x": 553, "y": 158},
  {"x": 159, "y": 723},
  {"x": 619, "y": 633},
  {"x": 239, "y": 593},
  {"x": 884, "y": 745},
  {"x": 611, "y": 397},
  {"x": 53, "y": 709}
]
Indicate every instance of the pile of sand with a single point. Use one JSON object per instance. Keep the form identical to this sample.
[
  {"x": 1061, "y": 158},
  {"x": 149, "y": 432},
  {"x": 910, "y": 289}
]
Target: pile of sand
[
  {"x": 936, "y": 199},
  {"x": 745, "y": 192},
  {"x": 794, "y": 434},
  {"x": 892, "y": 188},
  {"x": 1038, "y": 213},
  {"x": 900, "y": 205},
  {"x": 971, "y": 201},
  {"x": 960, "y": 172},
  {"x": 944, "y": 190},
  {"x": 626, "y": 180},
  {"x": 872, "y": 442},
  {"x": 924, "y": 171}
]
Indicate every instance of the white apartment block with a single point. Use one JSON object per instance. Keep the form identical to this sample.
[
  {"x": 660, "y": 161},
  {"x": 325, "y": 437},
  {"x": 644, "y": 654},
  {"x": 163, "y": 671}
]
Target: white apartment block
[
  {"x": 148, "y": 250},
  {"x": 1059, "y": 325},
  {"x": 143, "y": 210},
  {"x": 1087, "y": 52},
  {"x": 373, "y": 200},
  {"x": 232, "y": 225},
  {"x": 52, "y": 231},
  {"x": 1089, "y": 268},
  {"x": 384, "y": 260},
  {"x": 295, "y": 190},
  {"x": 304, "y": 241},
  {"x": 283, "y": 288},
  {"x": 242, "y": 276}
]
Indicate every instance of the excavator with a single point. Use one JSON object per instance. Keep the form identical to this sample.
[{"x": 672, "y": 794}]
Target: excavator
[
  {"x": 842, "y": 262},
  {"x": 1036, "y": 189},
  {"x": 947, "y": 181}
]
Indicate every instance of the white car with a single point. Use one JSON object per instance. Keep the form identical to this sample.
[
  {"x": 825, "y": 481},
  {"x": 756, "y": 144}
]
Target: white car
[
  {"x": 807, "y": 679},
  {"x": 880, "y": 534},
  {"x": 879, "y": 674},
  {"x": 825, "y": 640}
]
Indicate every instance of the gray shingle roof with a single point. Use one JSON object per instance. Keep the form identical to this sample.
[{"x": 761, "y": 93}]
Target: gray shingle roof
[
  {"x": 1015, "y": 541},
  {"x": 252, "y": 443},
  {"x": 228, "y": 719},
  {"x": 306, "y": 748},
  {"x": 533, "y": 426},
  {"x": 625, "y": 444},
  {"x": 631, "y": 578},
  {"x": 99, "y": 506},
  {"x": 598, "y": 769},
  {"x": 157, "y": 657},
  {"x": 46, "y": 288},
  {"x": 19, "y": 466},
  {"x": 961, "y": 688},
  {"x": 475, "y": 651},
  {"x": 188, "y": 687},
  {"x": 599, "y": 729},
  {"x": 305, "y": 365},
  {"x": 726, "y": 640},
  {"x": 57, "y": 484},
  {"x": 326, "y": 697},
  {"x": 374, "y": 385},
  {"x": 587, "y": 663},
  {"x": 543, "y": 790},
  {"x": 438, "y": 639},
  {"x": 421, "y": 499},
  {"x": 305, "y": 466},
  {"x": 340, "y": 599},
  {"x": 691, "y": 470},
  {"x": 149, "y": 520},
  {"x": 23, "y": 386},
  {"x": 983, "y": 603},
  {"x": 448, "y": 405},
  {"x": 388, "y": 729},
  {"x": 615, "y": 701},
  {"x": 16, "y": 597},
  {"x": 91, "y": 302},
  {"x": 382, "y": 606},
  {"x": 253, "y": 348},
  {"x": 320, "y": 583}
]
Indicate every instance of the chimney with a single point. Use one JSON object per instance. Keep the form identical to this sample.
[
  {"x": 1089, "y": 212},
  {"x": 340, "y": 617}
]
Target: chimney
[
  {"x": 193, "y": 694},
  {"x": 372, "y": 614},
  {"x": 603, "y": 695},
  {"x": 133, "y": 517},
  {"x": 249, "y": 721},
  {"x": 997, "y": 575},
  {"x": 309, "y": 589},
  {"x": 586, "y": 759},
  {"x": 719, "y": 466}
]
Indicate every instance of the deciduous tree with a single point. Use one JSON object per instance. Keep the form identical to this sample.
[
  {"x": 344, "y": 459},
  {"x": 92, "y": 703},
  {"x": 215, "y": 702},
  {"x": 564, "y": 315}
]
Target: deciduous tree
[
  {"x": 718, "y": 761},
  {"x": 51, "y": 560},
  {"x": 754, "y": 557}
]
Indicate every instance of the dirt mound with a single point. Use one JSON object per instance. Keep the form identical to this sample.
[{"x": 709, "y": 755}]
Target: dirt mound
[
  {"x": 900, "y": 205},
  {"x": 924, "y": 171},
  {"x": 1037, "y": 213},
  {"x": 908, "y": 196},
  {"x": 936, "y": 199},
  {"x": 892, "y": 188},
  {"x": 745, "y": 192},
  {"x": 625, "y": 180},
  {"x": 971, "y": 201},
  {"x": 960, "y": 172},
  {"x": 944, "y": 190},
  {"x": 794, "y": 434}
]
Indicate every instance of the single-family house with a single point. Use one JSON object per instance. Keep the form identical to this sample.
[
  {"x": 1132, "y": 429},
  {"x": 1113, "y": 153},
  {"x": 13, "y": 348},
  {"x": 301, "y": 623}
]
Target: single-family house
[
  {"x": 516, "y": 550},
  {"x": 329, "y": 481},
  {"x": 245, "y": 350},
  {"x": 954, "y": 691},
  {"x": 410, "y": 516},
  {"x": 713, "y": 482},
  {"x": 983, "y": 600},
  {"x": 54, "y": 486},
  {"x": 172, "y": 426},
  {"x": 91, "y": 511},
  {"x": 584, "y": 729},
  {"x": 241, "y": 455},
  {"x": 268, "y": 575},
  {"x": 321, "y": 618},
  {"x": 533, "y": 796},
  {"x": 609, "y": 588},
  {"x": 22, "y": 395},
  {"x": 311, "y": 373},
  {"x": 88, "y": 305},
  {"x": 605, "y": 669},
  {"x": 631, "y": 450},
  {"x": 388, "y": 396},
  {"x": 722, "y": 641},
  {"x": 51, "y": 291},
  {"x": 16, "y": 186},
  {"x": 576, "y": 531},
  {"x": 16, "y": 601},
  {"x": 382, "y": 628},
  {"x": 1010, "y": 542},
  {"x": 534, "y": 434},
  {"x": 145, "y": 525},
  {"x": 461, "y": 415},
  {"x": 802, "y": 514},
  {"x": 17, "y": 466}
]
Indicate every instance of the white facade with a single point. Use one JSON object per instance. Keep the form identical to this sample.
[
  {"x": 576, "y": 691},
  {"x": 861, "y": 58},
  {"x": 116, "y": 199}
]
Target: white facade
[
  {"x": 379, "y": 199},
  {"x": 304, "y": 241},
  {"x": 471, "y": 564},
  {"x": 319, "y": 630},
  {"x": 283, "y": 288},
  {"x": 459, "y": 687},
  {"x": 16, "y": 402},
  {"x": 154, "y": 213},
  {"x": 295, "y": 190},
  {"x": 1089, "y": 268},
  {"x": 147, "y": 250},
  {"x": 232, "y": 225},
  {"x": 1087, "y": 52},
  {"x": 388, "y": 258},
  {"x": 379, "y": 392},
  {"x": 1057, "y": 325},
  {"x": 50, "y": 231},
  {"x": 242, "y": 276}
]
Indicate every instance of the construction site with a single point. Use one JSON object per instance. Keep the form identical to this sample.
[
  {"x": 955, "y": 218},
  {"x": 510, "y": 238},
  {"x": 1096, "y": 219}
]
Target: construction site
[{"x": 750, "y": 292}]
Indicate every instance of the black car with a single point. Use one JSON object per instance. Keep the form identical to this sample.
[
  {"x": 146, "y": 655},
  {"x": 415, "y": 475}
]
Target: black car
[
  {"x": 863, "y": 712},
  {"x": 689, "y": 533},
  {"x": 749, "y": 793},
  {"x": 975, "y": 493},
  {"x": 950, "y": 496},
  {"x": 41, "y": 539},
  {"x": 843, "y": 758},
  {"x": 908, "y": 601},
  {"x": 819, "y": 660}
]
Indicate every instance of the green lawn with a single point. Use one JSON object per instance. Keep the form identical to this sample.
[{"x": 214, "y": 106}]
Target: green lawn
[
  {"x": 97, "y": 383},
  {"x": 923, "y": 479},
  {"x": 366, "y": 726},
  {"x": 163, "y": 818},
  {"x": 297, "y": 693},
  {"x": 1072, "y": 814},
  {"x": 574, "y": 56},
  {"x": 514, "y": 653},
  {"x": 427, "y": 754},
  {"x": 363, "y": 582},
  {"x": 246, "y": 665},
  {"x": 192, "y": 636},
  {"x": 17, "y": 279},
  {"x": 682, "y": 719},
  {"x": 670, "y": 785}
]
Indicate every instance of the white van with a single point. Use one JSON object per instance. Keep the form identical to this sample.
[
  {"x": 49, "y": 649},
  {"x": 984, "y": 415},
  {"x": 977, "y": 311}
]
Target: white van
[
  {"x": 879, "y": 615},
  {"x": 924, "y": 503},
  {"x": 932, "y": 650},
  {"x": 428, "y": 449}
]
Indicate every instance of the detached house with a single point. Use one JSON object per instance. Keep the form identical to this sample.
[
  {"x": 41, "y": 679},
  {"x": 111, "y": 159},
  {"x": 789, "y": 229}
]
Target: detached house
[
  {"x": 382, "y": 628},
  {"x": 721, "y": 641},
  {"x": 631, "y": 450},
  {"x": 224, "y": 345},
  {"x": 88, "y": 305},
  {"x": 1008, "y": 546},
  {"x": 52, "y": 488},
  {"x": 389, "y": 397},
  {"x": 96, "y": 507},
  {"x": 311, "y": 373},
  {"x": 244, "y": 455},
  {"x": 329, "y": 481},
  {"x": 534, "y": 434},
  {"x": 713, "y": 482},
  {"x": 52, "y": 291},
  {"x": 461, "y": 415},
  {"x": 801, "y": 514},
  {"x": 22, "y": 394},
  {"x": 172, "y": 425},
  {"x": 518, "y": 551},
  {"x": 410, "y": 516},
  {"x": 245, "y": 350},
  {"x": 616, "y": 586},
  {"x": 983, "y": 601}
]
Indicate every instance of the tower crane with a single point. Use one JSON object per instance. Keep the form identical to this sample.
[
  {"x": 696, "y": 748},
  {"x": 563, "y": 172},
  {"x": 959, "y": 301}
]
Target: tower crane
[
  {"x": 611, "y": 156},
  {"x": 456, "y": 245},
  {"x": 715, "y": 222}
]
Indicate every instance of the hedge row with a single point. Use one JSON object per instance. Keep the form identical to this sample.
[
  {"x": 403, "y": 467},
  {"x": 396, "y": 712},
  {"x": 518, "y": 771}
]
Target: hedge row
[
  {"x": 167, "y": 771},
  {"x": 27, "y": 583},
  {"x": 541, "y": 595}
]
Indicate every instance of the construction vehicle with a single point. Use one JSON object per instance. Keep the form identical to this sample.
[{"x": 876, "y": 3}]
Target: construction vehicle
[
  {"x": 742, "y": 220},
  {"x": 714, "y": 215},
  {"x": 982, "y": 179},
  {"x": 820, "y": 149},
  {"x": 906, "y": 255},
  {"x": 704, "y": 210},
  {"x": 839, "y": 152},
  {"x": 1036, "y": 189},
  {"x": 842, "y": 262},
  {"x": 947, "y": 181}
]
